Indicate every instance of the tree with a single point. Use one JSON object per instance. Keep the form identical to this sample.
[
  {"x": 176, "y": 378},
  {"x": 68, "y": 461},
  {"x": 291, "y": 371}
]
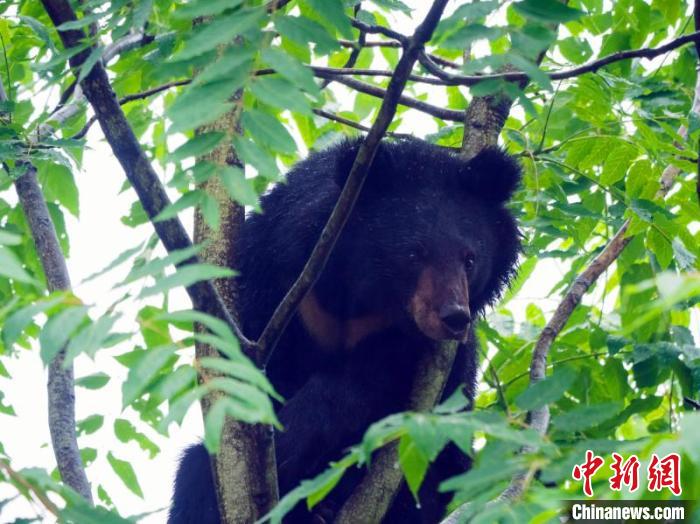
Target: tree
[{"x": 609, "y": 144}]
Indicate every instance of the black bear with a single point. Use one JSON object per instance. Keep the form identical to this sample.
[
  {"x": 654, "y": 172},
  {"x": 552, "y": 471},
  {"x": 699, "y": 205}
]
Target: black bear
[{"x": 428, "y": 245}]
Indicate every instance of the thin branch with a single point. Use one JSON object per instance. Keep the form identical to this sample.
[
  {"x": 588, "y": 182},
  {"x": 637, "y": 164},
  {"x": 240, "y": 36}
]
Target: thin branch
[
  {"x": 61, "y": 383},
  {"x": 331, "y": 72},
  {"x": 436, "y": 111},
  {"x": 136, "y": 165},
  {"x": 131, "y": 98},
  {"x": 356, "y": 49},
  {"x": 322, "y": 72},
  {"x": 317, "y": 260},
  {"x": 351, "y": 123},
  {"x": 393, "y": 43},
  {"x": 518, "y": 76},
  {"x": 402, "y": 39},
  {"x": 41, "y": 496}
]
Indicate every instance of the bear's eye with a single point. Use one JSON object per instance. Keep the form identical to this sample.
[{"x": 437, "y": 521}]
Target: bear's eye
[
  {"x": 469, "y": 262},
  {"x": 416, "y": 254}
]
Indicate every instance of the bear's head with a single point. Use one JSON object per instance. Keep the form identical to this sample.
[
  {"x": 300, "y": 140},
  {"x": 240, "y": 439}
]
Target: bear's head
[{"x": 429, "y": 242}]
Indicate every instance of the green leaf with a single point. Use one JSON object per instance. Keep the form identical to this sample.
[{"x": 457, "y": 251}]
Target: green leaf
[
  {"x": 209, "y": 208},
  {"x": 126, "y": 473},
  {"x": 291, "y": 69},
  {"x": 186, "y": 276},
  {"x": 203, "y": 8},
  {"x": 616, "y": 164},
  {"x": 11, "y": 267},
  {"x": 249, "y": 404},
  {"x": 80, "y": 22},
  {"x": 584, "y": 417},
  {"x": 20, "y": 319},
  {"x": 269, "y": 131},
  {"x": 684, "y": 258},
  {"x": 94, "y": 381},
  {"x": 333, "y": 12},
  {"x": 93, "y": 337},
  {"x": 233, "y": 66},
  {"x": 661, "y": 247},
  {"x": 280, "y": 93},
  {"x": 157, "y": 265},
  {"x": 547, "y": 11},
  {"x": 189, "y": 199},
  {"x": 201, "y": 144},
  {"x": 125, "y": 432},
  {"x": 94, "y": 57},
  {"x": 190, "y": 316},
  {"x": 175, "y": 383},
  {"x": 144, "y": 372},
  {"x": 693, "y": 123},
  {"x": 475, "y": 10},
  {"x": 214, "y": 423},
  {"x": 9, "y": 239},
  {"x": 40, "y": 30},
  {"x": 532, "y": 70},
  {"x": 548, "y": 390},
  {"x": 468, "y": 34},
  {"x": 119, "y": 260},
  {"x": 58, "y": 329},
  {"x": 576, "y": 50},
  {"x": 243, "y": 370},
  {"x": 178, "y": 408},
  {"x": 251, "y": 153},
  {"x": 239, "y": 187},
  {"x": 220, "y": 30},
  {"x": 414, "y": 464},
  {"x": 90, "y": 425},
  {"x": 201, "y": 105},
  {"x": 303, "y": 30},
  {"x": 58, "y": 184}
]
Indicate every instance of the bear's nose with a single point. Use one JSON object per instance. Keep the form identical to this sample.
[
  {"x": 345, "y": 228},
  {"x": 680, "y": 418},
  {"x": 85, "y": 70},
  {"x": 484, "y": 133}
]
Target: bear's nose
[{"x": 456, "y": 318}]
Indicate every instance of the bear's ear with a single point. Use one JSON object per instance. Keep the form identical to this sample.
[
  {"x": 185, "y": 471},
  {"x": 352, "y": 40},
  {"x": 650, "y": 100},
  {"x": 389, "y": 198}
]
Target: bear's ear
[
  {"x": 492, "y": 175},
  {"x": 346, "y": 152}
]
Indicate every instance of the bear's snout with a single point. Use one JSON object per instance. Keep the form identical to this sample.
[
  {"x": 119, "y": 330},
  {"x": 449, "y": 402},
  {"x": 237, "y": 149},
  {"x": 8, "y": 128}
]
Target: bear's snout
[
  {"x": 440, "y": 304},
  {"x": 456, "y": 318}
]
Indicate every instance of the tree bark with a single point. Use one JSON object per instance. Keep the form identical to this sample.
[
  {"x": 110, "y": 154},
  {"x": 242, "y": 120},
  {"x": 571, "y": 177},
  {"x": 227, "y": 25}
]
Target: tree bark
[
  {"x": 244, "y": 469},
  {"x": 61, "y": 385}
]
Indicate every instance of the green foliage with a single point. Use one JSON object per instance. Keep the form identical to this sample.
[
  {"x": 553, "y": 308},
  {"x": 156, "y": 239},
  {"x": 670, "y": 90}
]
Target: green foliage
[{"x": 624, "y": 373}]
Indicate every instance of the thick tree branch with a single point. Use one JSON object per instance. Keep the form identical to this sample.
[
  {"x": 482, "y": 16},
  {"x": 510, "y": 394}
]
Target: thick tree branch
[
  {"x": 140, "y": 173},
  {"x": 61, "y": 386},
  {"x": 61, "y": 383},
  {"x": 245, "y": 472},
  {"x": 372, "y": 498},
  {"x": 353, "y": 185}
]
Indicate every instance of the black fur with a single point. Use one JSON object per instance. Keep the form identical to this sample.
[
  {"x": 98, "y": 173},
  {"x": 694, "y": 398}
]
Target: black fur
[{"x": 421, "y": 207}]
